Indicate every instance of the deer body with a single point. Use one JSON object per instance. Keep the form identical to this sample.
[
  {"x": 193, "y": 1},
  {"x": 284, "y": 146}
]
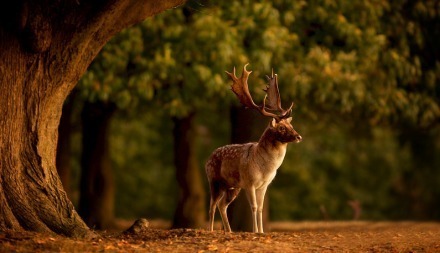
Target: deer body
[
  {"x": 245, "y": 165},
  {"x": 250, "y": 166}
]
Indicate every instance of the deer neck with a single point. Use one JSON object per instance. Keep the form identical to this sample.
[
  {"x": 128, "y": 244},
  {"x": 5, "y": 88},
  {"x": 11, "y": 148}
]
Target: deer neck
[{"x": 270, "y": 145}]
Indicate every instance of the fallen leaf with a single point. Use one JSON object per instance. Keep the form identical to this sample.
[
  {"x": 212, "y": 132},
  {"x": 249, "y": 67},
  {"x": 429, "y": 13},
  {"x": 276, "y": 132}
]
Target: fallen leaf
[{"x": 212, "y": 247}]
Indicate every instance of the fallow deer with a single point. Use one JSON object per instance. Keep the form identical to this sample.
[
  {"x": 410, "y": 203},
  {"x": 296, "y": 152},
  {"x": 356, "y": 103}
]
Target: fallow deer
[{"x": 250, "y": 166}]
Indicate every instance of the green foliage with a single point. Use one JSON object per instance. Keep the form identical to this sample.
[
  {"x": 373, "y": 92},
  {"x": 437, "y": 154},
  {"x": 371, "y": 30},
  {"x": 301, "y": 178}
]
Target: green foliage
[
  {"x": 360, "y": 58},
  {"x": 355, "y": 58},
  {"x": 181, "y": 66},
  {"x": 118, "y": 74}
]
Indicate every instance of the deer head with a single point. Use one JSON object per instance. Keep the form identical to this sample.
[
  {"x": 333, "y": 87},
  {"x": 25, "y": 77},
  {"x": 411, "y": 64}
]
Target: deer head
[{"x": 281, "y": 123}]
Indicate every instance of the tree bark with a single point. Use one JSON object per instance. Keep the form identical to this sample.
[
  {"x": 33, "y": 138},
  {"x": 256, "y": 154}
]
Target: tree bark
[
  {"x": 246, "y": 126},
  {"x": 45, "y": 47},
  {"x": 190, "y": 211},
  {"x": 97, "y": 186}
]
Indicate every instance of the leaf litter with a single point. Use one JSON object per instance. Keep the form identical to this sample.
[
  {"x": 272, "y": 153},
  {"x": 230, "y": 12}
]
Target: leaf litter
[{"x": 301, "y": 237}]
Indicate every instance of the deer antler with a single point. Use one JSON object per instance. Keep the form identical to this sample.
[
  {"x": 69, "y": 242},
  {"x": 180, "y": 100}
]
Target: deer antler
[
  {"x": 240, "y": 88},
  {"x": 274, "y": 96}
]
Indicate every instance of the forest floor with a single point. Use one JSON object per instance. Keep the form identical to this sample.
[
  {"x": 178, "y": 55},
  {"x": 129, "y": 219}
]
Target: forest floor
[{"x": 353, "y": 236}]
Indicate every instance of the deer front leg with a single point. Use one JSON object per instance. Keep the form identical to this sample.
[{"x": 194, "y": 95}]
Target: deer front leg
[
  {"x": 260, "y": 193},
  {"x": 251, "y": 196}
]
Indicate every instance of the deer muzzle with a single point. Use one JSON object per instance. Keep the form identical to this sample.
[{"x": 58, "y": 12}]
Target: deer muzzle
[{"x": 297, "y": 138}]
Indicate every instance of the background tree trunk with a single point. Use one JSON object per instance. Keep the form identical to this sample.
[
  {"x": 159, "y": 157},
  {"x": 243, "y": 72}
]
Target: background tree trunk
[
  {"x": 246, "y": 126},
  {"x": 45, "y": 47},
  {"x": 417, "y": 188},
  {"x": 97, "y": 186},
  {"x": 190, "y": 210}
]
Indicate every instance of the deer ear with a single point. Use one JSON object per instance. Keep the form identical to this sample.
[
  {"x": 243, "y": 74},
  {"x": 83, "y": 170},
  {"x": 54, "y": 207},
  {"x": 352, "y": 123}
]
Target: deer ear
[
  {"x": 273, "y": 123},
  {"x": 289, "y": 119}
]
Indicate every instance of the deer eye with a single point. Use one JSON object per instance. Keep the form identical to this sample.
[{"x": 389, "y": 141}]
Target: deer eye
[{"x": 282, "y": 128}]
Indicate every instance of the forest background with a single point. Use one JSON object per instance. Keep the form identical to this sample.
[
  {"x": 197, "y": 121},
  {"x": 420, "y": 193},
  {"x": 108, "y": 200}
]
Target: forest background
[{"x": 364, "y": 76}]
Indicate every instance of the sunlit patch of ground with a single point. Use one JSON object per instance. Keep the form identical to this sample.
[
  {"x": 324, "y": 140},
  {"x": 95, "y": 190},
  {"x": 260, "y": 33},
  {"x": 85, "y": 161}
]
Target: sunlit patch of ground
[{"x": 285, "y": 237}]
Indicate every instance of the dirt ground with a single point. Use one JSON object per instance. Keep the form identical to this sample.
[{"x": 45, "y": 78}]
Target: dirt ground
[{"x": 284, "y": 237}]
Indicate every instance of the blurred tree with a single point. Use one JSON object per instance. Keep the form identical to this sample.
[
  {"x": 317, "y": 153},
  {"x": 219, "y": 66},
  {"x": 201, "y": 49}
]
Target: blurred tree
[
  {"x": 190, "y": 210},
  {"x": 112, "y": 83},
  {"x": 413, "y": 33},
  {"x": 97, "y": 186}
]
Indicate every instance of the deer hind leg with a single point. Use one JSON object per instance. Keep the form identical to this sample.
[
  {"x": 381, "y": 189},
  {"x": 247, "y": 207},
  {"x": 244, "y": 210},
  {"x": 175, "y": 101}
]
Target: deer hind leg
[
  {"x": 216, "y": 195},
  {"x": 227, "y": 199}
]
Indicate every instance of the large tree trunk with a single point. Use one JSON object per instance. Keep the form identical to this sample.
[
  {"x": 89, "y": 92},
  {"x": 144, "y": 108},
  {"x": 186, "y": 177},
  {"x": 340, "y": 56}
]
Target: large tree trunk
[
  {"x": 190, "y": 211},
  {"x": 246, "y": 126},
  {"x": 45, "y": 47},
  {"x": 97, "y": 186}
]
